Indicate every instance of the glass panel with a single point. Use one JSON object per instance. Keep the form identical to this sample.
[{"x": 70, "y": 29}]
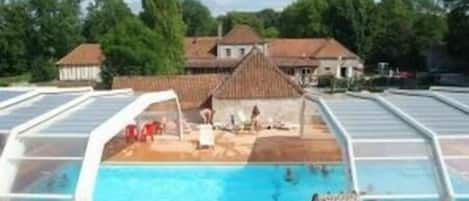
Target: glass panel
[
  {"x": 96, "y": 111},
  {"x": 55, "y": 147},
  {"x": 391, "y": 149},
  {"x": 31, "y": 109},
  {"x": 461, "y": 97},
  {"x": 46, "y": 177},
  {"x": 456, "y": 147},
  {"x": 366, "y": 119},
  {"x": 5, "y": 95},
  {"x": 436, "y": 115},
  {"x": 397, "y": 177},
  {"x": 459, "y": 173}
]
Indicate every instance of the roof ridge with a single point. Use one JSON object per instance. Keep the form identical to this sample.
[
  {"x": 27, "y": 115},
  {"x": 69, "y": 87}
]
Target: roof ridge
[
  {"x": 323, "y": 45},
  {"x": 254, "y": 52}
]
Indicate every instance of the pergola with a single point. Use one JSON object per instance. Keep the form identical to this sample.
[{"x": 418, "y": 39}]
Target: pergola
[
  {"x": 49, "y": 129},
  {"x": 403, "y": 145}
]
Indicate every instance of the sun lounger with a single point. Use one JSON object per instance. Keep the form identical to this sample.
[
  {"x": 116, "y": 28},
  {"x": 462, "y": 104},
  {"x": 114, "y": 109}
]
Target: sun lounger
[{"x": 206, "y": 137}]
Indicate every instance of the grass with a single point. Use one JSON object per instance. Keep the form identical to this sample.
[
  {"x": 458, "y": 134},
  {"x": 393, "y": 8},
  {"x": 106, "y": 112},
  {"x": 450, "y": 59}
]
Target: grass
[{"x": 6, "y": 81}]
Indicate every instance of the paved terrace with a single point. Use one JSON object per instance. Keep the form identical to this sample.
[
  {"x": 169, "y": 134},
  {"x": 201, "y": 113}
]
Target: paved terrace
[{"x": 318, "y": 145}]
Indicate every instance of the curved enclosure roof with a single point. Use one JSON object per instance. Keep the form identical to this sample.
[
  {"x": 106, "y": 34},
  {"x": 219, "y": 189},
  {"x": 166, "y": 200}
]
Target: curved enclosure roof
[
  {"x": 44, "y": 160},
  {"x": 386, "y": 150},
  {"x": 8, "y": 94},
  {"x": 405, "y": 144},
  {"x": 61, "y": 144},
  {"x": 29, "y": 109}
]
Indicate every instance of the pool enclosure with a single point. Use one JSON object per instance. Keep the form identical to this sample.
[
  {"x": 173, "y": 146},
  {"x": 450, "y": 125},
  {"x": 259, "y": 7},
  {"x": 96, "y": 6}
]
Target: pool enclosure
[
  {"x": 403, "y": 145},
  {"x": 54, "y": 138}
]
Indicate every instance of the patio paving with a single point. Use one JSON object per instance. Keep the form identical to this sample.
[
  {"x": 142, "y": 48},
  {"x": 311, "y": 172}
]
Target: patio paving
[{"x": 318, "y": 145}]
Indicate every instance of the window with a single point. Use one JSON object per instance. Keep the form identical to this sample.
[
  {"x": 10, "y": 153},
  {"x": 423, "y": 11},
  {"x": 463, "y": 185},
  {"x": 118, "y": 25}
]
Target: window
[
  {"x": 242, "y": 51},
  {"x": 327, "y": 68},
  {"x": 228, "y": 52}
]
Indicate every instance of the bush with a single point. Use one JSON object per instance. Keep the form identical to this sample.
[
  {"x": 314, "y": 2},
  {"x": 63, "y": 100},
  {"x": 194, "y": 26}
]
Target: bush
[
  {"x": 43, "y": 70},
  {"x": 325, "y": 80}
]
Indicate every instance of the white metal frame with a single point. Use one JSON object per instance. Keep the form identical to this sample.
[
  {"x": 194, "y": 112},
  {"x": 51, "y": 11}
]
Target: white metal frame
[
  {"x": 348, "y": 140},
  {"x": 433, "y": 137},
  {"x": 96, "y": 140},
  {"x": 101, "y": 135}
]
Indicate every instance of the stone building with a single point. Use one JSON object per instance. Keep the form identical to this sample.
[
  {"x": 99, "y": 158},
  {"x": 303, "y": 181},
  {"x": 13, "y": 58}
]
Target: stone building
[{"x": 256, "y": 81}]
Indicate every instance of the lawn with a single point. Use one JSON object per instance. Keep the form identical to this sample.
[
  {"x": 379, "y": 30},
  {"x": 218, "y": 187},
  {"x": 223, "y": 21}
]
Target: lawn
[{"x": 6, "y": 81}]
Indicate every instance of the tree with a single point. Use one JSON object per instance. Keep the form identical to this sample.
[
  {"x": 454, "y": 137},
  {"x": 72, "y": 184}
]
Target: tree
[
  {"x": 249, "y": 18},
  {"x": 458, "y": 25},
  {"x": 13, "y": 32},
  {"x": 351, "y": 22},
  {"x": 305, "y": 18},
  {"x": 394, "y": 37},
  {"x": 104, "y": 15},
  {"x": 131, "y": 48},
  {"x": 54, "y": 29},
  {"x": 164, "y": 17},
  {"x": 198, "y": 20}
]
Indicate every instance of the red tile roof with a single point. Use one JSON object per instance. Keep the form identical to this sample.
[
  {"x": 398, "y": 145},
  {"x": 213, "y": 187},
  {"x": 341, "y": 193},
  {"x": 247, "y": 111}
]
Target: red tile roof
[
  {"x": 193, "y": 90},
  {"x": 200, "y": 47},
  {"x": 84, "y": 54},
  {"x": 257, "y": 77},
  {"x": 241, "y": 34},
  {"x": 305, "y": 47},
  {"x": 333, "y": 49}
]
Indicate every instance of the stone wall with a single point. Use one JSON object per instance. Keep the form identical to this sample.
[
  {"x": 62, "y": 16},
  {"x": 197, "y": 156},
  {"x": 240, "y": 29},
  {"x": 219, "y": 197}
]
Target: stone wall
[{"x": 286, "y": 109}]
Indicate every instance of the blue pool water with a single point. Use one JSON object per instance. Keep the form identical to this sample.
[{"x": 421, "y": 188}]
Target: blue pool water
[{"x": 216, "y": 183}]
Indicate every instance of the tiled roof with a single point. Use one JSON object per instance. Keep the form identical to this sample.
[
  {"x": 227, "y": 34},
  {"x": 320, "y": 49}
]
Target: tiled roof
[
  {"x": 257, "y": 77},
  {"x": 200, "y": 47},
  {"x": 193, "y": 90},
  {"x": 241, "y": 34},
  {"x": 305, "y": 47},
  {"x": 84, "y": 54},
  {"x": 333, "y": 49},
  {"x": 205, "y": 47},
  {"x": 309, "y": 48}
]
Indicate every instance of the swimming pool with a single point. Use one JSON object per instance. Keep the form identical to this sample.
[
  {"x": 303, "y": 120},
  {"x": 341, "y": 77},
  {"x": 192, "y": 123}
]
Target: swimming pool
[{"x": 217, "y": 183}]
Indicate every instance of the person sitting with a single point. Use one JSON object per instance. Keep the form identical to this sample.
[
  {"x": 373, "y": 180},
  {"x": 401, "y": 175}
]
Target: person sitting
[
  {"x": 207, "y": 115},
  {"x": 255, "y": 118}
]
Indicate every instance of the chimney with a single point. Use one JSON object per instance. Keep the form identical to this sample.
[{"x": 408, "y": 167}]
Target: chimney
[{"x": 220, "y": 30}]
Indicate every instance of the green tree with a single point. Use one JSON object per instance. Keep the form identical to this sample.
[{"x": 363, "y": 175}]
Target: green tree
[
  {"x": 54, "y": 29},
  {"x": 131, "y": 48},
  {"x": 104, "y": 15},
  {"x": 198, "y": 20},
  {"x": 305, "y": 18},
  {"x": 394, "y": 36},
  {"x": 249, "y": 18},
  {"x": 351, "y": 22},
  {"x": 13, "y": 32},
  {"x": 165, "y": 18},
  {"x": 458, "y": 25}
]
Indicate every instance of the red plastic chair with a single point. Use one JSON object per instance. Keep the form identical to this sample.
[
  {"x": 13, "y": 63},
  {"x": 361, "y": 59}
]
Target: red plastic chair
[
  {"x": 149, "y": 130},
  {"x": 131, "y": 131}
]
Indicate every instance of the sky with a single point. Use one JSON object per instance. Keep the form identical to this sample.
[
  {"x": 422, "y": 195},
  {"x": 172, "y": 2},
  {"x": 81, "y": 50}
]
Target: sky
[{"x": 218, "y": 7}]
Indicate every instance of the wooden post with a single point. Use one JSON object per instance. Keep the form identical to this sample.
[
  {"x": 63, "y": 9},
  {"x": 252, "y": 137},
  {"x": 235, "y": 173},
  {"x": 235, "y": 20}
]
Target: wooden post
[
  {"x": 302, "y": 116},
  {"x": 180, "y": 123}
]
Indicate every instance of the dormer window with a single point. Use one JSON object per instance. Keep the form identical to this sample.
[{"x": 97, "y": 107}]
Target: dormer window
[
  {"x": 228, "y": 52},
  {"x": 242, "y": 51}
]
